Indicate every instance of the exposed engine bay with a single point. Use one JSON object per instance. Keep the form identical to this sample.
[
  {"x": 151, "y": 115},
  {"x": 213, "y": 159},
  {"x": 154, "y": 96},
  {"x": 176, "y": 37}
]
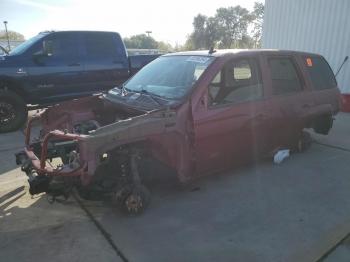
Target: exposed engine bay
[{"x": 77, "y": 148}]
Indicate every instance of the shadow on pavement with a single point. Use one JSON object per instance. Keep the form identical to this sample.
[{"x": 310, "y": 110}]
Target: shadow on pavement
[
  {"x": 10, "y": 143},
  {"x": 31, "y": 229},
  {"x": 11, "y": 194}
]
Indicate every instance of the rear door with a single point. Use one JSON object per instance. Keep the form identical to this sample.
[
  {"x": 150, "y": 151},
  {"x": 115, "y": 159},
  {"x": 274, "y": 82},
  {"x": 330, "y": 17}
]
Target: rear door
[
  {"x": 232, "y": 127},
  {"x": 106, "y": 63},
  {"x": 323, "y": 82},
  {"x": 289, "y": 98}
]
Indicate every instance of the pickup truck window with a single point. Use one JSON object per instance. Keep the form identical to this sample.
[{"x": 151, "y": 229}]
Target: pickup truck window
[
  {"x": 284, "y": 76},
  {"x": 320, "y": 73},
  {"x": 238, "y": 81},
  {"x": 170, "y": 77},
  {"x": 103, "y": 47},
  {"x": 65, "y": 49}
]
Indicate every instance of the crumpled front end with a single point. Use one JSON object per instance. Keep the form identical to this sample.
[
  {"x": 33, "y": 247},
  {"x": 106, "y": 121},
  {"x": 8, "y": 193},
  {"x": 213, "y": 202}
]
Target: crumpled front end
[
  {"x": 55, "y": 152},
  {"x": 96, "y": 147},
  {"x": 51, "y": 160}
]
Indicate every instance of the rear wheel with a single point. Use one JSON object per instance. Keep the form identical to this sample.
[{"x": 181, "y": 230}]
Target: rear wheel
[
  {"x": 13, "y": 111},
  {"x": 323, "y": 124}
]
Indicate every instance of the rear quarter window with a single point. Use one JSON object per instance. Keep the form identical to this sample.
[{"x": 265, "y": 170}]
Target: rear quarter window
[
  {"x": 104, "y": 46},
  {"x": 320, "y": 73}
]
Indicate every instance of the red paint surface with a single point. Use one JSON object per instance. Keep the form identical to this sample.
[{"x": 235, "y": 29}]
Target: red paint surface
[{"x": 345, "y": 102}]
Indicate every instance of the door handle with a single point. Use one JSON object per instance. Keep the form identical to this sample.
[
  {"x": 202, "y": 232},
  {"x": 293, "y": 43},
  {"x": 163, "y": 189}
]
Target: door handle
[{"x": 74, "y": 64}]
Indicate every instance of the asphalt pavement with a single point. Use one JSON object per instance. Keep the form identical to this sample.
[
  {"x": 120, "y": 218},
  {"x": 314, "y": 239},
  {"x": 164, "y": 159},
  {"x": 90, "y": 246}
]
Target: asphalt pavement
[{"x": 296, "y": 211}]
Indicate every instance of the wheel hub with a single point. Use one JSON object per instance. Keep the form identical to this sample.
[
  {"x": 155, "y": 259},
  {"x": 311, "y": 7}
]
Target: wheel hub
[{"x": 133, "y": 203}]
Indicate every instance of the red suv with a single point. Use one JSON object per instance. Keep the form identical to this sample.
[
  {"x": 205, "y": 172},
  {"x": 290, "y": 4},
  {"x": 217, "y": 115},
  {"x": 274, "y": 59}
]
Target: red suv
[{"x": 192, "y": 112}]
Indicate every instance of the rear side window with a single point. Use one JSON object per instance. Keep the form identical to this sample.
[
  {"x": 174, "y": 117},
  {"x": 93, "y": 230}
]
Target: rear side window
[
  {"x": 65, "y": 49},
  {"x": 284, "y": 76},
  {"x": 139, "y": 61},
  {"x": 320, "y": 73},
  {"x": 104, "y": 47}
]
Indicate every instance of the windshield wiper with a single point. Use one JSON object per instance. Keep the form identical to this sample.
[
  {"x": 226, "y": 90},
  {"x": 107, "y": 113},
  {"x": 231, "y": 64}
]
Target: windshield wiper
[
  {"x": 151, "y": 95},
  {"x": 124, "y": 90}
]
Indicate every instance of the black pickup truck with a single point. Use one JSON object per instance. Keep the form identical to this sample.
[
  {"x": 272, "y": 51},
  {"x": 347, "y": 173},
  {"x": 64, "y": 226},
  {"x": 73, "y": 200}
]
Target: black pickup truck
[{"x": 56, "y": 66}]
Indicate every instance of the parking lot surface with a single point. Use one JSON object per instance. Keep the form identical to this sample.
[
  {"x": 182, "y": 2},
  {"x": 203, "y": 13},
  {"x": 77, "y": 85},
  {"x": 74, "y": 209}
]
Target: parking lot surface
[{"x": 295, "y": 211}]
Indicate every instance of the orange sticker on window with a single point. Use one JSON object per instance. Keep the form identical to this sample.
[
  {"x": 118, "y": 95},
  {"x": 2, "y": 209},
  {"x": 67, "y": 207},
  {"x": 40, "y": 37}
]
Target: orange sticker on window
[{"x": 308, "y": 61}]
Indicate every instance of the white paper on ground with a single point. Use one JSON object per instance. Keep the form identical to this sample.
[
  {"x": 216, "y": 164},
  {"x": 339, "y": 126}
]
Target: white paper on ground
[{"x": 280, "y": 156}]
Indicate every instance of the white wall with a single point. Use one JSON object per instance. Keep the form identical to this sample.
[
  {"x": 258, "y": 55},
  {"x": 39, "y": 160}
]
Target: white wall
[{"x": 319, "y": 26}]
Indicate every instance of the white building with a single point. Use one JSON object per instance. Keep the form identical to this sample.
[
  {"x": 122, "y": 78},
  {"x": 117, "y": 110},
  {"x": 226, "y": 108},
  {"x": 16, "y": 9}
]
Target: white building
[{"x": 319, "y": 26}]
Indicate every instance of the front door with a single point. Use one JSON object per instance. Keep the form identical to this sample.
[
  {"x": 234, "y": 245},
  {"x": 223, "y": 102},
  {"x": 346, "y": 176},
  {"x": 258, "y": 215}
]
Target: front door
[
  {"x": 233, "y": 126},
  {"x": 60, "y": 74}
]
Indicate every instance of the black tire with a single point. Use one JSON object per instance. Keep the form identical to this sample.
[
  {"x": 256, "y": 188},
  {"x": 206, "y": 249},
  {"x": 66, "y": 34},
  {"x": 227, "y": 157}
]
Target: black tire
[
  {"x": 323, "y": 124},
  {"x": 13, "y": 111},
  {"x": 304, "y": 142}
]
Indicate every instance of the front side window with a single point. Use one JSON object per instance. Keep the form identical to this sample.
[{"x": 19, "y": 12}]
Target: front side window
[
  {"x": 238, "y": 81},
  {"x": 64, "y": 50},
  {"x": 170, "y": 77},
  {"x": 284, "y": 76}
]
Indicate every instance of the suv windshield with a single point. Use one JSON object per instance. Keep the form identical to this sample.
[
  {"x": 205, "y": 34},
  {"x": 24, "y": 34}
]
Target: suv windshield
[
  {"x": 25, "y": 45},
  {"x": 170, "y": 77}
]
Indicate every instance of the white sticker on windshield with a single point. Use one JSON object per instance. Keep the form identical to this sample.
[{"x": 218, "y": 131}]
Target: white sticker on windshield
[{"x": 198, "y": 59}]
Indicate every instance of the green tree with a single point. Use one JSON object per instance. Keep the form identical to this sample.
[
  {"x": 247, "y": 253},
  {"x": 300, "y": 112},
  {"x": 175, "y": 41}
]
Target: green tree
[
  {"x": 199, "y": 34},
  {"x": 141, "y": 41},
  {"x": 162, "y": 46},
  {"x": 189, "y": 45},
  {"x": 258, "y": 18},
  {"x": 15, "y": 36},
  {"x": 228, "y": 28},
  {"x": 204, "y": 34},
  {"x": 232, "y": 23}
]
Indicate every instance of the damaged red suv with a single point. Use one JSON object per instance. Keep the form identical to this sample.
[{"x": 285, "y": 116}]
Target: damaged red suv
[{"x": 194, "y": 113}]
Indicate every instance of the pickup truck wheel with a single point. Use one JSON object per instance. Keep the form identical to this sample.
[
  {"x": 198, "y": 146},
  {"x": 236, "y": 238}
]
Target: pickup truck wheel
[{"x": 13, "y": 111}]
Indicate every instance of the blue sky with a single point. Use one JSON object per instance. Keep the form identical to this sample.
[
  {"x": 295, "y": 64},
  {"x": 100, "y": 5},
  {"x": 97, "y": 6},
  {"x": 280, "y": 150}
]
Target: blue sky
[{"x": 169, "y": 21}]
